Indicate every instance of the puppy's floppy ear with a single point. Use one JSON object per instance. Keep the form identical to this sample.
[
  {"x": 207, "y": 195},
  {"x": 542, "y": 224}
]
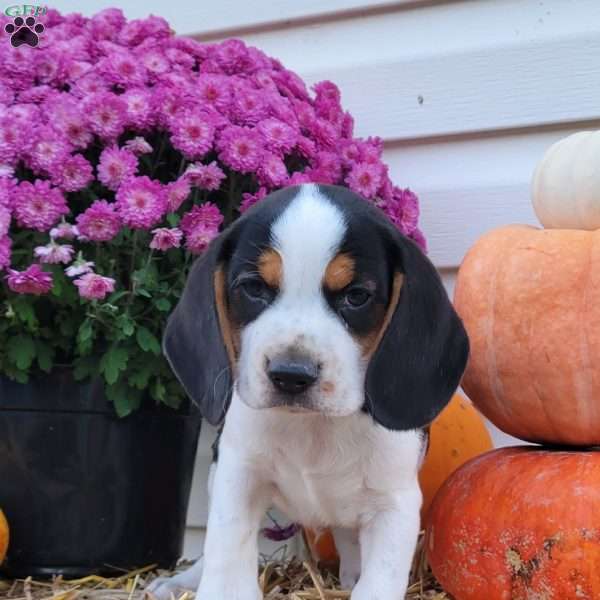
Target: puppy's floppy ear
[
  {"x": 197, "y": 340},
  {"x": 423, "y": 349}
]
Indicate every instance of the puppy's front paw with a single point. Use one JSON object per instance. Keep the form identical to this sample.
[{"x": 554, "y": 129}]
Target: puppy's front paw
[
  {"x": 163, "y": 587},
  {"x": 377, "y": 590},
  {"x": 229, "y": 590}
]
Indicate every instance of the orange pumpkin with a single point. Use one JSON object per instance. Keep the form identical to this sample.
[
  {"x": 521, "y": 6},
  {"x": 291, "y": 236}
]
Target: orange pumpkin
[
  {"x": 457, "y": 435},
  {"x": 530, "y": 301},
  {"x": 518, "y": 524},
  {"x": 3, "y": 536}
]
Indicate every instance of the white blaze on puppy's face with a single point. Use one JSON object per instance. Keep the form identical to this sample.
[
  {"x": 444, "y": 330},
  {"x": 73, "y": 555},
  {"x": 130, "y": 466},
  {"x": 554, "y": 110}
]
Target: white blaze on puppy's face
[{"x": 307, "y": 237}]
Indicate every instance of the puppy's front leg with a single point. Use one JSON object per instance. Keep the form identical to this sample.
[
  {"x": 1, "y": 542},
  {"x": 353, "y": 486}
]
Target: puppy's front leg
[
  {"x": 387, "y": 545},
  {"x": 239, "y": 500}
]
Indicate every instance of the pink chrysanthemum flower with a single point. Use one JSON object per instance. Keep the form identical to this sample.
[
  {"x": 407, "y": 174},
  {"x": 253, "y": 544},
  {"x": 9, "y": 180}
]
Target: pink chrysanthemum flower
[
  {"x": 403, "y": 210},
  {"x": 419, "y": 239},
  {"x": 306, "y": 147},
  {"x": 206, "y": 177},
  {"x": 249, "y": 106},
  {"x": 138, "y": 145},
  {"x": 73, "y": 174},
  {"x": 192, "y": 135},
  {"x": 200, "y": 237},
  {"x": 249, "y": 200},
  {"x": 140, "y": 114},
  {"x": 38, "y": 205},
  {"x": 165, "y": 238},
  {"x": 272, "y": 171},
  {"x": 8, "y": 187},
  {"x": 75, "y": 129},
  {"x": 122, "y": 68},
  {"x": 79, "y": 267},
  {"x": 231, "y": 55},
  {"x": 6, "y": 170},
  {"x": 204, "y": 214},
  {"x": 47, "y": 150},
  {"x": 329, "y": 165},
  {"x": 5, "y": 245},
  {"x": 141, "y": 202},
  {"x": 278, "y": 136},
  {"x": 100, "y": 222},
  {"x": 177, "y": 193},
  {"x": 30, "y": 281},
  {"x": 54, "y": 253},
  {"x": 298, "y": 178},
  {"x": 89, "y": 84},
  {"x": 64, "y": 231},
  {"x": 365, "y": 179},
  {"x": 155, "y": 62},
  {"x": 9, "y": 141},
  {"x": 325, "y": 134},
  {"x": 214, "y": 90},
  {"x": 92, "y": 286},
  {"x": 106, "y": 113},
  {"x": 5, "y": 217},
  {"x": 240, "y": 148},
  {"x": 116, "y": 165}
]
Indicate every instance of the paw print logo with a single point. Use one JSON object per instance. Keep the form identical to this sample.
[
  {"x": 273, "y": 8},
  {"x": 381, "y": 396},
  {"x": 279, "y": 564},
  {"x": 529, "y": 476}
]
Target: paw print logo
[{"x": 24, "y": 31}]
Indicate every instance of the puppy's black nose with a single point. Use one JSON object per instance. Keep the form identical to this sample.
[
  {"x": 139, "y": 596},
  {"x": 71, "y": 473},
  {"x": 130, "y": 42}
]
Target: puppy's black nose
[{"x": 292, "y": 375}]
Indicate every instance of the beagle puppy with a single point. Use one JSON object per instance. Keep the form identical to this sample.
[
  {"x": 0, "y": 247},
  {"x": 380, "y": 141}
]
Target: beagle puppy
[{"x": 323, "y": 342}]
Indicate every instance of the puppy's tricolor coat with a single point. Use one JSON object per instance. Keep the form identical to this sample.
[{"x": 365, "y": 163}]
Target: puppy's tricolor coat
[{"x": 324, "y": 341}]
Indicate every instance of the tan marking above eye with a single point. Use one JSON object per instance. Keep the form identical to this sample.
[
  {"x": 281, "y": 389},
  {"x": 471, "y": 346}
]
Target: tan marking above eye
[
  {"x": 339, "y": 272},
  {"x": 270, "y": 267},
  {"x": 371, "y": 341}
]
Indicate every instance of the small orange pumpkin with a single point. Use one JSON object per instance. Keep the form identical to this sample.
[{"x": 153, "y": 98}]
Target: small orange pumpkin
[
  {"x": 519, "y": 523},
  {"x": 530, "y": 301},
  {"x": 4, "y": 536},
  {"x": 457, "y": 435}
]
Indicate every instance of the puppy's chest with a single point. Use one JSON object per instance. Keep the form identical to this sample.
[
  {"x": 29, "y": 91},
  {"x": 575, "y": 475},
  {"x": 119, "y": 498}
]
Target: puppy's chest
[{"x": 333, "y": 478}]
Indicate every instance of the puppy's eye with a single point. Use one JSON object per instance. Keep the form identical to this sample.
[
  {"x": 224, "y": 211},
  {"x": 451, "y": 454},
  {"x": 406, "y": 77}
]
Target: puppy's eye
[
  {"x": 357, "y": 297},
  {"x": 256, "y": 289}
]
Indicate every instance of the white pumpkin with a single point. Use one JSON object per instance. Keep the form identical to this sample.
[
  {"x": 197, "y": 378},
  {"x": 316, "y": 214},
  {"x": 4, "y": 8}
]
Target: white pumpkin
[{"x": 566, "y": 183}]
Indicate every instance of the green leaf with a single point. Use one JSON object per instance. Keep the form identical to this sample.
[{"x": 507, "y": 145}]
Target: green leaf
[
  {"x": 112, "y": 363},
  {"x": 143, "y": 292},
  {"x": 163, "y": 304},
  {"x": 157, "y": 391},
  {"x": 26, "y": 313},
  {"x": 112, "y": 299},
  {"x": 139, "y": 377},
  {"x": 85, "y": 335},
  {"x": 173, "y": 219},
  {"x": 21, "y": 351},
  {"x": 45, "y": 355},
  {"x": 126, "y": 324},
  {"x": 57, "y": 286},
  {"x": 147, "y": 341},
  {"x": 125, "y": 399},
  {"x": 86, "y": 331}
]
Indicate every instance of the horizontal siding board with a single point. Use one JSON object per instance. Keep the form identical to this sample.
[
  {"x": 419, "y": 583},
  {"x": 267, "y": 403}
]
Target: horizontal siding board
[
  {"x": 469, "y": 187},
  {"x": 502, "y": 88},
  {"x": 442, "y": 29},
  {"x": 457, "y": 68},
  {"x": 231, "y": 16}
]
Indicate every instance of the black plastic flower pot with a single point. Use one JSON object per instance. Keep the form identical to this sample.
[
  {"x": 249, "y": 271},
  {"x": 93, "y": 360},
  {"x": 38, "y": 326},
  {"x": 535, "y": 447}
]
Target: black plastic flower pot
[{"x": 84, "y": 491}]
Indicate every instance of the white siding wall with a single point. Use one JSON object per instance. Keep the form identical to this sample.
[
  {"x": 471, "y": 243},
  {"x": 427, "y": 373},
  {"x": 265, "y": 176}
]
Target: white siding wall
[{"x": 467, "y": 95}]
